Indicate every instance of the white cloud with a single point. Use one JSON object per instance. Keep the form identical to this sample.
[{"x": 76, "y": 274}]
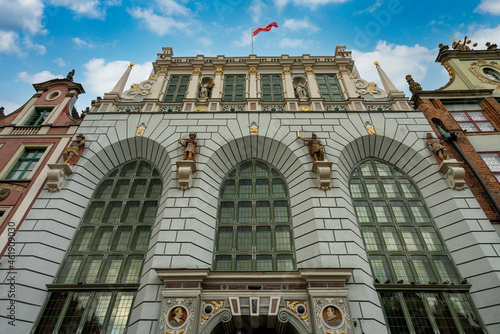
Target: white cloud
[
  {"x": 397, "y": 61},
  {"x": 171, "y": 7},
  {"x": 90, "y": 8},
  {"x": 9, "y": 106},
  {"x": 37, "y": 77},
  {"x": 38, "y": 48},
  {"x": 292, "y": 43},
  {"x": 9, "y": 43},
  {"x": 489, "y": 6},
  {"x": 160, "y": 25},
  {"x": 481, "y": 35},
  {"x": 256, "y": 10},
  {"x": 205, "y": 41},
  {"x": 312, "y": 3},
  {"x": 60, "y": 62},
  {"x": 81, "y": 43},
  {"x": 245, "y": 39},
  {"x": 372, "y": 8},
  {"x": 303, "y": 25},
  {"x": 23, "y": 15},
  {"x": 102, "y": 76}
]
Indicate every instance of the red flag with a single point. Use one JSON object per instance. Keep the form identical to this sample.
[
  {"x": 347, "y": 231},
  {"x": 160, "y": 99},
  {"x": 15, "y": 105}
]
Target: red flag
[{"x": 265, "y": 27}]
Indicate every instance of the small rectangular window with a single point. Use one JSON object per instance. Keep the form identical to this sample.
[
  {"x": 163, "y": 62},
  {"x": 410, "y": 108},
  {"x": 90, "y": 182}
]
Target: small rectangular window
[
  {"x": 26, "y": 164},
  {"x": 329, "y": 88},
  {"x": 38, "y": 116},
  {"x": 492, "y": 160},
  {"x": 234, "y": 88},
  {"x": 271, "y": 88},
  {"x": 472, "y": 121},
  {"x": 177, "y": 88}
]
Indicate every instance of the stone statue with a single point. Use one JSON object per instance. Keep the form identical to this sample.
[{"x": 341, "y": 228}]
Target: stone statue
[
  {"x": 490, "y": 46},
  {"x": 315, "y": 147},
  {"x": 300, "y": 91},
  {"x": 436, "y": 147},
  {"x": 74, "y": 150},
  {"x": 205, "y": 90},
  {"x": 414, "y": 86},
  {"x": 190, "y": 147},
  {"x": 70, "y": 75}
]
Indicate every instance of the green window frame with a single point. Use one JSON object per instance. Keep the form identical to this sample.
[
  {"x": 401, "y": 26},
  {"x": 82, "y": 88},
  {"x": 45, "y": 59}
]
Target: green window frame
[
  {"x": 234, "y": 88},
  {"x": 271, "y": 87},
  {"x": 99, "y": 277},
  {"x": 177, "y": 88},
  {"x": 254, "y": 230},
  {"x": 38, "y": 116},
  {"x": 329, "y": 87},
  {"x": 404, "y": 247},
  {"x": 26, "y": 164}
]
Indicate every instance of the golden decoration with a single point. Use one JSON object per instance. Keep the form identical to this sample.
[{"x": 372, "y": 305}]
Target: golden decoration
[
  {"x": 204, "y": 316},
  {"x": 370, "y": 127},
  {"x": 309, "y": 70},
  {"x": 451, "y": 72},
  {"x": 476, "y": 69},
  {"x": 131, "y": 64},
  {"x": 343, "y": 70},
  {"x": 286, "y": 70},
  {"x": 197, "y": 70},
  {"x": 252, "y": 70},
  {"x": 376, "y": 63},
  {"x": 216, "y": 306},
  {"x": 218, "y": 70},
  {"x": 305, "y": 109},
  {"x": 201, "y": 109}
]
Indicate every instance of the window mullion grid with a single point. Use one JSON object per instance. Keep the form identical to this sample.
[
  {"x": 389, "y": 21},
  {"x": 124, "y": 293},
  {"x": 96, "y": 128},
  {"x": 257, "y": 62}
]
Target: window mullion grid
[
  {"x": 64, "y": 309},
  {"x": 406, "y": 312}
]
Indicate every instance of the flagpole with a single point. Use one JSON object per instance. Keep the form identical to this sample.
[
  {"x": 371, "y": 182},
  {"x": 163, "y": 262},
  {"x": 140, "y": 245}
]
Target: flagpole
[{"x": 251, "y": 29}]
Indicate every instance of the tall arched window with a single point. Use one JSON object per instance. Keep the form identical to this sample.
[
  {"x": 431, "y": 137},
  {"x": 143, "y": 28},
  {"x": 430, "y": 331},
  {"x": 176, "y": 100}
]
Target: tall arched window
[
  {"x": 418, "y": 285},
  {"x": 96, "y": 284},
  {"x": 254, "y": 230}
]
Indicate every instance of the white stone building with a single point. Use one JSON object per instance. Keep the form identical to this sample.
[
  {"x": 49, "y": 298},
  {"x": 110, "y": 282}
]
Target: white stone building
[{"x": 247, "y": 238}]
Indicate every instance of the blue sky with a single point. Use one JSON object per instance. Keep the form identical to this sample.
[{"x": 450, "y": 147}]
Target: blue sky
[{"x": 40, "y": 40}]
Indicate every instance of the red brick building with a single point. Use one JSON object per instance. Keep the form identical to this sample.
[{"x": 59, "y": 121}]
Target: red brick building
[
  {"x": 468, "y": 106},
  {"x": 31, "y": 137}
]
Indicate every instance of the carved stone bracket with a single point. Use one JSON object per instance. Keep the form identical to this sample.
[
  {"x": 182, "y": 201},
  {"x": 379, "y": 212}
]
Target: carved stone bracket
[
  {"x": 454, "y": 173},
  {"x": 323, "y": 169},
  {"x": 185, "y": 170},
  {"x": 57, "y": 175}
]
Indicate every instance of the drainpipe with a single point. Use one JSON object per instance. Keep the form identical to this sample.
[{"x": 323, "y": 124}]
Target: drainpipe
[{"x": 451, "y": 137}]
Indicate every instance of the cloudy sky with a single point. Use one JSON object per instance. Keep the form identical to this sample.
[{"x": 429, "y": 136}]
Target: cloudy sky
[{"x": 40, "y": 40}]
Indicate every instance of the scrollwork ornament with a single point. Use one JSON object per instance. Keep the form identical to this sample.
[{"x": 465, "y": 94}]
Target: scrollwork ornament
[
  {"x": 478, "y": 68},
  {"x": 283, "y": 317},
  {"x": 226, "y": 316}
]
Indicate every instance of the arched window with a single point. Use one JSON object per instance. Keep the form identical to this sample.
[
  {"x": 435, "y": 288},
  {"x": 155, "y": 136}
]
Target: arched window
[
  {"x": 97, "y": 282},
  {"x": 254, "y": 230},
  {"x": 418, "y": 285}
]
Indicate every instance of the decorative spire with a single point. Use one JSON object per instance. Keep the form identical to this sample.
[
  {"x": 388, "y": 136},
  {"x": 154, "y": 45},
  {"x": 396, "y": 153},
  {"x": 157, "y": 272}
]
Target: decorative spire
[
  {"x": 389, "y": 87},
  {"x": 414, "y": 86},
  {"x": 120, "y": 85}
]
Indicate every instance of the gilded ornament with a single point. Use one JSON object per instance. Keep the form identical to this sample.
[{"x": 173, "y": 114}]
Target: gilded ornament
[
  {"x": 370, "y": 128},
  {"x": 218, "y": 70},
  {"x": 287, "y": 70},
  {"x": 196, "y": 71},
  {"x": 254, "y": 128},
  {"x": 492, "y": 76},
  {"x": 140, "y": 130},
  {"x": 305, "y": 109},
  {"x": 309, "y": 70}
]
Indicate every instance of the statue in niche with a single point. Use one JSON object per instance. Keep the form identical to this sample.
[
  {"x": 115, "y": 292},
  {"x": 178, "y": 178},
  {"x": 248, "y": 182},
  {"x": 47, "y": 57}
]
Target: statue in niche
[
  {"x": 300, "y": 90},
  {"x": 70, "y": 75},
  {"x": 315, "y": 147},
  {"x": 190, "y": 147},
  {"x": 74, "y": 150},
  {"x": 436, "y": 146},
  {"x": 205, "y": 89}
]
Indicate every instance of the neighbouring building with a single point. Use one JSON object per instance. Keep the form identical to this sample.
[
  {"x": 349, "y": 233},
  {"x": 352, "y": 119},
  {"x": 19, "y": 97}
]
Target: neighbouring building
[
  {"x": 30, "y": 138},
  {"x": 253, "y": 194},
  {"x": 465, "y": 113}
]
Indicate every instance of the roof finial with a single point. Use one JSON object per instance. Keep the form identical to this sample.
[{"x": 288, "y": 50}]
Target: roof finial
[{"x": 120, "y": 85}]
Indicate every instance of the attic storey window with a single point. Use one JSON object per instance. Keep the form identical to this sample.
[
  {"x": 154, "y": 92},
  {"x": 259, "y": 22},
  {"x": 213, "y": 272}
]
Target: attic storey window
[
  {"x": 177, "y": 88},
  {"x": 38, "y": 116}
]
